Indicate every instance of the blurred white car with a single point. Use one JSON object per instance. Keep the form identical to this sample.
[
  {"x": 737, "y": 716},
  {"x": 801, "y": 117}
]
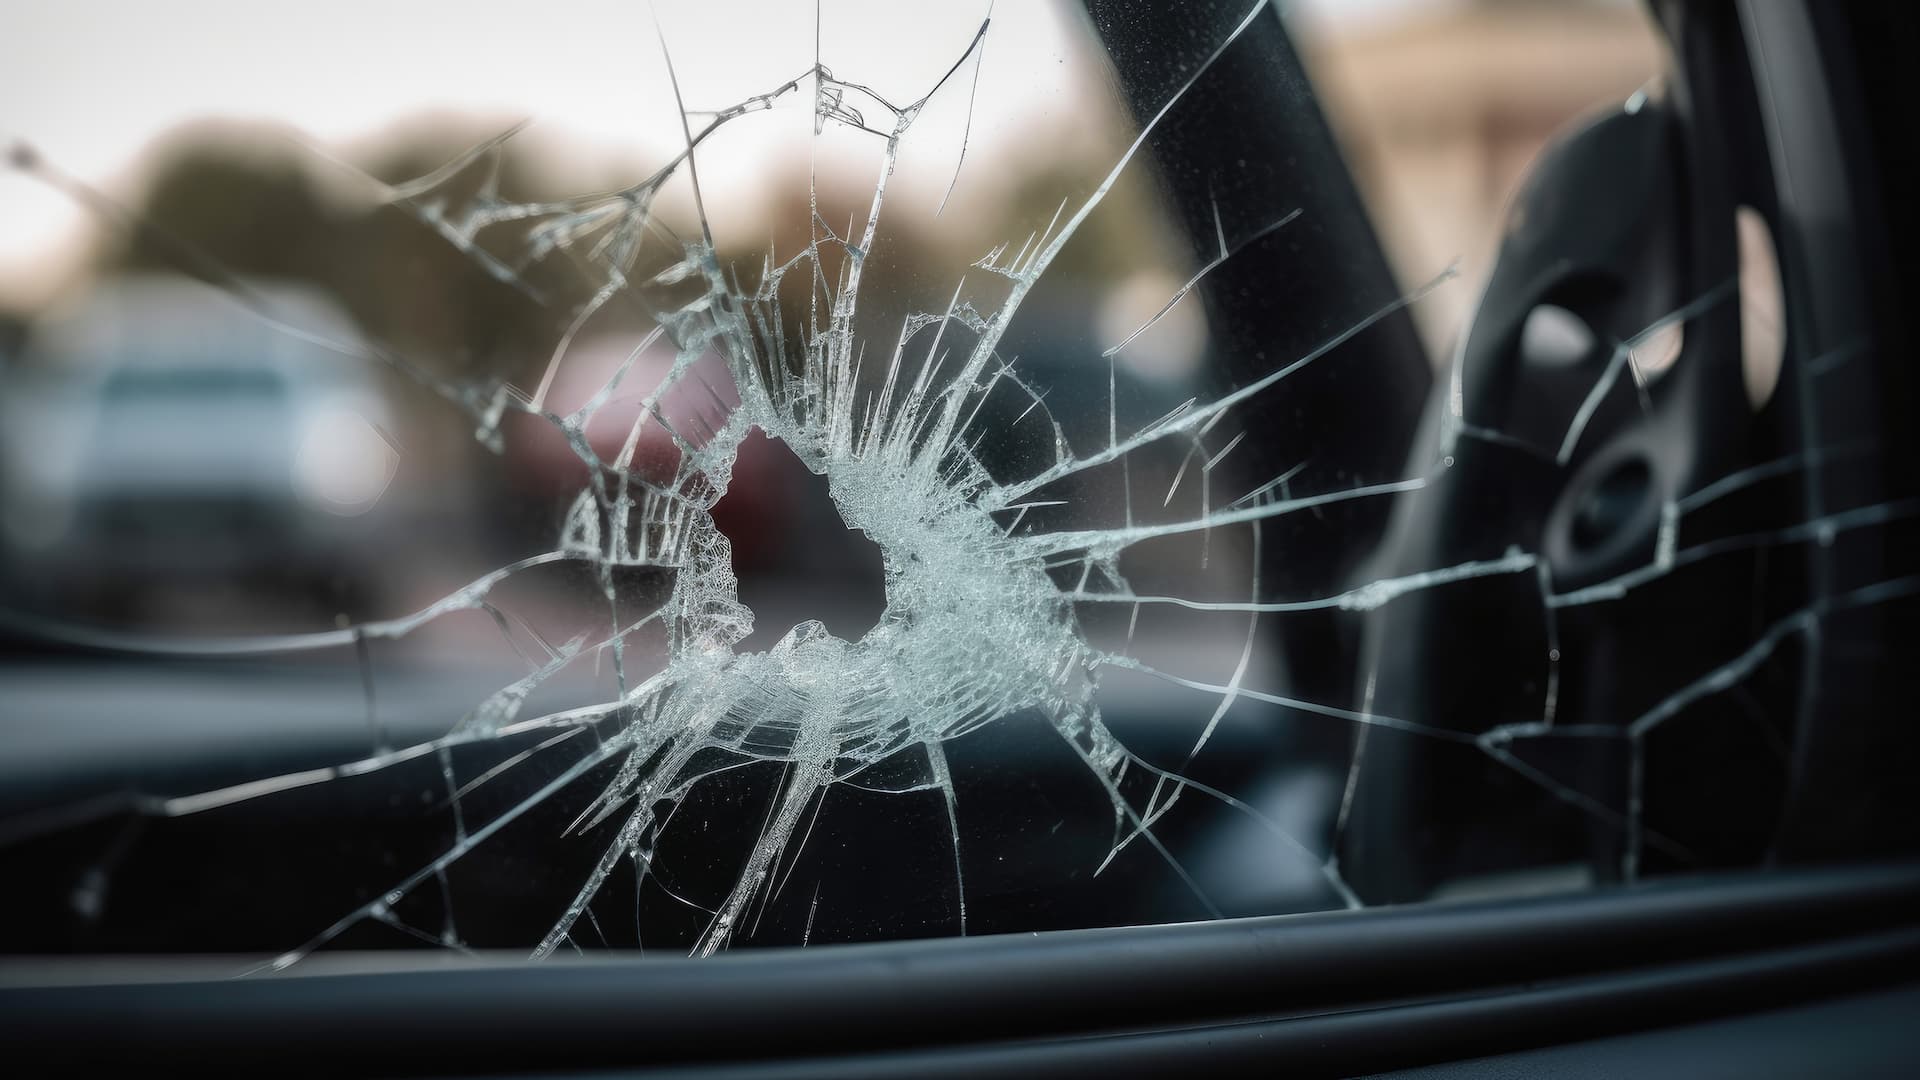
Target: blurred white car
[{"x": 158, "y": 434}]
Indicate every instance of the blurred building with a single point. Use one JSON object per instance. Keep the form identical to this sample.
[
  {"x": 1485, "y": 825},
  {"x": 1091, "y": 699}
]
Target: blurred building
[{"x": 1442, "y": 106}]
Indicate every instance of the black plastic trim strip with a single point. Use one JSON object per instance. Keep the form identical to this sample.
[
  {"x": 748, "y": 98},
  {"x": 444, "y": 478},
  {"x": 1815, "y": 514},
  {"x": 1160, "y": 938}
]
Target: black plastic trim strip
[
  {"x": 1341, "y": 1044},
  {"x": 1818, "y": 930}
]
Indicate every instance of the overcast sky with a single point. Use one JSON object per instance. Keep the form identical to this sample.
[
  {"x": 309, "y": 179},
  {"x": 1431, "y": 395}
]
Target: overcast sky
[{"x": 91, "y": 83}]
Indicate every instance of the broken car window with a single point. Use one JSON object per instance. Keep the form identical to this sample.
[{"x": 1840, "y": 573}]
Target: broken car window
[{"x": 781, "y": 474}]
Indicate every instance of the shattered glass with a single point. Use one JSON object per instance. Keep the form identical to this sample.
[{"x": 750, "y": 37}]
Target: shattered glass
[{"x": 1072, "y": 476}]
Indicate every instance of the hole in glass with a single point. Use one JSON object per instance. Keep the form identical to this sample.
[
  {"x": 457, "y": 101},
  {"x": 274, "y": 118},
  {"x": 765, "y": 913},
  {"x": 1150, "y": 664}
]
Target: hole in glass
[{"x": 795, "y": 557}]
